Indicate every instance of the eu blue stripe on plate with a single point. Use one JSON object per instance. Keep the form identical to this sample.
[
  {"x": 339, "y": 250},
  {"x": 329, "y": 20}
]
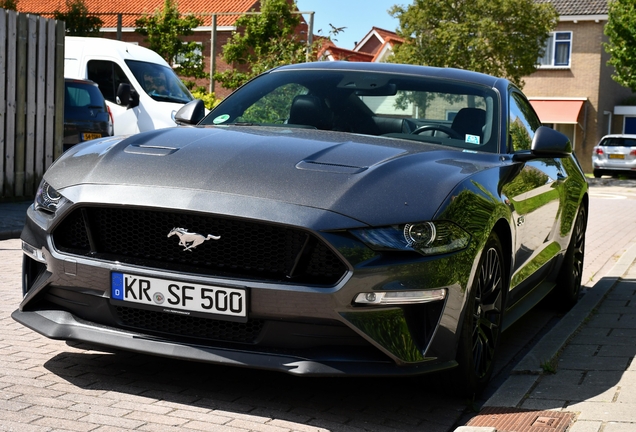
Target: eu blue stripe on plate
[{"x": 117, "y": 285}]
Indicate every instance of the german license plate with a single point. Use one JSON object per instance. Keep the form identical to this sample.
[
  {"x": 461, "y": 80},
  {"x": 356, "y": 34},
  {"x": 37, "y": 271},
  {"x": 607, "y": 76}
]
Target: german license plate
[
  {"x": 180, "y": 297},
  {"x": 87, "y": 136},
  {"x": 616, "y": 156}
]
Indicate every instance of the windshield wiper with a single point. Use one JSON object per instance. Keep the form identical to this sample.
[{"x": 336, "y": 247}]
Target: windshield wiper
[{"x": 164, "y": 98}]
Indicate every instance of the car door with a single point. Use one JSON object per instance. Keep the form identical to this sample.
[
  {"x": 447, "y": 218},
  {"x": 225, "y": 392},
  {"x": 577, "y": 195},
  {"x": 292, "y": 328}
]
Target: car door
[{"x": 534, "y": 194}]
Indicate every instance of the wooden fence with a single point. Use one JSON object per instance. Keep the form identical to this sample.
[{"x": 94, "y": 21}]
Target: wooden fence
[{"x": 31, "y": 100}]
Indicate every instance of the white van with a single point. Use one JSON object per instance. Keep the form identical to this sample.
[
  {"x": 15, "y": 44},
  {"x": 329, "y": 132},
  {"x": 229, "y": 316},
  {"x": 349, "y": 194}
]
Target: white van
[{"x": 140, "y": 88}]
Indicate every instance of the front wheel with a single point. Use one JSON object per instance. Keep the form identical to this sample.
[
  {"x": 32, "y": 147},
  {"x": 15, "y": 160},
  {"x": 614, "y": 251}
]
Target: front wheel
[{"x": 481, "y": 328}]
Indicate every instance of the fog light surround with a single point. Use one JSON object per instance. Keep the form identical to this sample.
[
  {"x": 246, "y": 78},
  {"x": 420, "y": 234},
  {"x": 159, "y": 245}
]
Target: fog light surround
[
  {"x": 400, "y": 297},
  {"x": 33, "y": 252}
]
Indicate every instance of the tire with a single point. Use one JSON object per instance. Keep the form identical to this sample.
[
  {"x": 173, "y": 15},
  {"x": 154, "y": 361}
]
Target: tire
[
  {"x": 568, "y": 288},
  {"x": 597, "y": 174},
  {"x": 481, "y": 327}
]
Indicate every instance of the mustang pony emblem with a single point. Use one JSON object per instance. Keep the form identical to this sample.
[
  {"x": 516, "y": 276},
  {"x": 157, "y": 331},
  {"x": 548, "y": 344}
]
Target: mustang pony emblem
[{"x": 190, "y": 240}]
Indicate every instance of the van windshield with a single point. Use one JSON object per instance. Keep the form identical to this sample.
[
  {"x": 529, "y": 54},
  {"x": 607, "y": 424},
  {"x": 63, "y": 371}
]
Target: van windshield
[{"x": 160, "y": 82}]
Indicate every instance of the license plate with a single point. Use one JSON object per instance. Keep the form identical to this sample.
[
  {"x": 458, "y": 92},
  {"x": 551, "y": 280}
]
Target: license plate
[
  {"x": 616, "y": 156},
  {"x": 180, "y": 297},
  {"x": 86, "y": 136}
]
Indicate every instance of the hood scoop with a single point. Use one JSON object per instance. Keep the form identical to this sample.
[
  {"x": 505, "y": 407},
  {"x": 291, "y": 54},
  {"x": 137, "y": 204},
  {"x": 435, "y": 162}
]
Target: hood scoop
[
  {"x": 325, "y": 167},
  {"x": 348, "y": 158},
  {"x": 150, "y": 150}
]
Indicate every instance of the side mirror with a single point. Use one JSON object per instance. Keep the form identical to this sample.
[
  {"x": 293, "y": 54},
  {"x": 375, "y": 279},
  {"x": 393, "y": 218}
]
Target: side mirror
[
  {"x": 547, "y": 143},
  {"x": 191, "y": 113},
  {"x": 127, "y": 96}
]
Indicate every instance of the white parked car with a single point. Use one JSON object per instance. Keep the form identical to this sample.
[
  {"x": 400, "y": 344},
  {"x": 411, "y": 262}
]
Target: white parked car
[
  {"x": 140, "y": 88},
  {"x": 614, "y": 155}
]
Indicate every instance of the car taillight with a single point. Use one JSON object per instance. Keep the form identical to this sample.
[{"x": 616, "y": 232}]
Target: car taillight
[
  {"x": 632, "y": 153},
  {"x": 111, "y": 121},
  {"x": 598, "y": 151}
]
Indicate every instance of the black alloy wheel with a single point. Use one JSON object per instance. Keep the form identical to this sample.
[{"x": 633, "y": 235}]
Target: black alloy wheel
[
  {"x": 570, "y": 276},
  {"x": 481, "y": 329}
]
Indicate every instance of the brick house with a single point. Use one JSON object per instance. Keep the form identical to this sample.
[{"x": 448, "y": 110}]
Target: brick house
[
  {"x": 119, "y": 18},
  {"x": 376, "y": 46},
  {"x": 573, "y": 90}
]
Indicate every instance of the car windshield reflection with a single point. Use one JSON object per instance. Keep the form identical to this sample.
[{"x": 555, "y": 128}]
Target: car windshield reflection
[{"x": 381, "y": 104}]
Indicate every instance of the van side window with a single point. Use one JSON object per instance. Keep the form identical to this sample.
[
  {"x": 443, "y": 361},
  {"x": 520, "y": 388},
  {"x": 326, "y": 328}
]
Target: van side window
[{"x": 108, "y": 75}]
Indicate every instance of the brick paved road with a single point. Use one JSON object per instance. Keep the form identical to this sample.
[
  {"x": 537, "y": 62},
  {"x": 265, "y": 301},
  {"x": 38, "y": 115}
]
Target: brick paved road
[{"x": 49, "y": 385}]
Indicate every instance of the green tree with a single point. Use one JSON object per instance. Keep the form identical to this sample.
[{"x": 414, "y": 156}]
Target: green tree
[
  {"x": 78, "y": 20},
  {"x": 499, "y": 37},
  {"x": 164, "y": 30},
  {"x": 267, "y": 40},
  {"x": 9, "y": 4},
  {"x": 621, "y": 32}
]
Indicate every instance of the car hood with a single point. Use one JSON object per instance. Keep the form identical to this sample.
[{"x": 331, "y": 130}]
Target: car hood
[{"x": 375, "y": 180}]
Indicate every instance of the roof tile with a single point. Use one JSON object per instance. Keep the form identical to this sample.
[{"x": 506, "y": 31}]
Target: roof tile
[
  {"x": 578, "y": 7},
  {"x": 134, "y": 9}
]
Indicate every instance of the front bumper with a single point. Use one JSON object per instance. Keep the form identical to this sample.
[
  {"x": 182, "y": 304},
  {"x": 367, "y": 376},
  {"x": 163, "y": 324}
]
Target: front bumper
[
  {"x": 305, "y": 329},
  {"x": 615, "y": 165},
  {"x": 62, "y": 325}
]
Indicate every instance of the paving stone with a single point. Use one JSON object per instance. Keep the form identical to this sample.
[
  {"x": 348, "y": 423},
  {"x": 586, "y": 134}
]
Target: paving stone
[
  {"x": 586, "y": 426},
  {"x": 535, "y": 404},
  {"x": 54, "y": 423},
  {"x": 595, "y": 363},
  {"x": 256, "y": 426},
  {"x": 626, "y": 350},
  {"x": 620, "y": 427},
  {"x": 603, "y": 411},
  {"x": 609, "y": 378}
]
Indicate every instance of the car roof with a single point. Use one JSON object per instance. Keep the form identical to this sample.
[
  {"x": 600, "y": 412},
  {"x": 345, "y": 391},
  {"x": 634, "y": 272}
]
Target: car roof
[
  {"x": 80, "y": 81},
  {"x": 426, "y": 71},
  {"x": 631, "y": 136}
]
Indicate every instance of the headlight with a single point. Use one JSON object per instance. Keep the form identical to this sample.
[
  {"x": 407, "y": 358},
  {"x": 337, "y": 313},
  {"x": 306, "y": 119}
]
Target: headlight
[
  {"x": 47, "y": 198},
  {"x": 427, "y": 238}
]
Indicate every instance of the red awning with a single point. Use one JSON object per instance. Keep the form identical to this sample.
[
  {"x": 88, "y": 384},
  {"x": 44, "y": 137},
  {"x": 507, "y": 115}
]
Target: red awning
[{"x": 557, "y": 110}]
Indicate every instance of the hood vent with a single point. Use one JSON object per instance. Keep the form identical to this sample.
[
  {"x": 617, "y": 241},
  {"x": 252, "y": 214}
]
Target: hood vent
[
  {"x": 150, "y": 150},
  {"x": 329, "y": 167}
]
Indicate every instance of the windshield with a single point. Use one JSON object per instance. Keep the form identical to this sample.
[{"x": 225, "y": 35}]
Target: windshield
[
  {"x": 81, "y": 96},
  {"x": 374, "y": 103},
  {"x": 619, "y": 142},
  {"x": 160, "y": 82}
]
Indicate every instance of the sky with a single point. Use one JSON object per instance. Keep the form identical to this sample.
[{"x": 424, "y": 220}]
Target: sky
[{"x": 358, "y": 16}]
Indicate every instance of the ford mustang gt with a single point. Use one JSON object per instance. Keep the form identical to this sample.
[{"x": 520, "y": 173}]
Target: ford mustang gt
[{"x": 326, "y": 218}]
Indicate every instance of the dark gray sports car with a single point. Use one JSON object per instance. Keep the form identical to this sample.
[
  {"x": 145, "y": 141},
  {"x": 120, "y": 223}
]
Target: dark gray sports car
[{"x": 326, "y": 218}]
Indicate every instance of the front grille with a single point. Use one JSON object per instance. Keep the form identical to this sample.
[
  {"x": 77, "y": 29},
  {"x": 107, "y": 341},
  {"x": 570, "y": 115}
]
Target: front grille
[
  {"x": 187, "y": 326},
  {"x": 246, "y": 249}
]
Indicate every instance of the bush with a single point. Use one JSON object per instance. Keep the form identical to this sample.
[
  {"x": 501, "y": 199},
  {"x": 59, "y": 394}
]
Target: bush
[{"x": 208, "y": 99}]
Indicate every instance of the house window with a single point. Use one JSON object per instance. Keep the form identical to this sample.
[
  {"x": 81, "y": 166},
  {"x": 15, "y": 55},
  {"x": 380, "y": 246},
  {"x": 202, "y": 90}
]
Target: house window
[
  {"x": 557, "y": 51},
  {"x": 196, "y": 54}
]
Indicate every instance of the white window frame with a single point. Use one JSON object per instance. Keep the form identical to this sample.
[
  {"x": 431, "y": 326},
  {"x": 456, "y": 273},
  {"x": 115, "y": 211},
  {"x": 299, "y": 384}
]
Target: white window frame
[{"x": 550, "y": 53}]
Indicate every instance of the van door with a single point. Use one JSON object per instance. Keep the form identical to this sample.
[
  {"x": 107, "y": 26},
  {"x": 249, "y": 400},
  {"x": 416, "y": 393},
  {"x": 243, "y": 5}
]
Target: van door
[{"x": 108, "y": 75}]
